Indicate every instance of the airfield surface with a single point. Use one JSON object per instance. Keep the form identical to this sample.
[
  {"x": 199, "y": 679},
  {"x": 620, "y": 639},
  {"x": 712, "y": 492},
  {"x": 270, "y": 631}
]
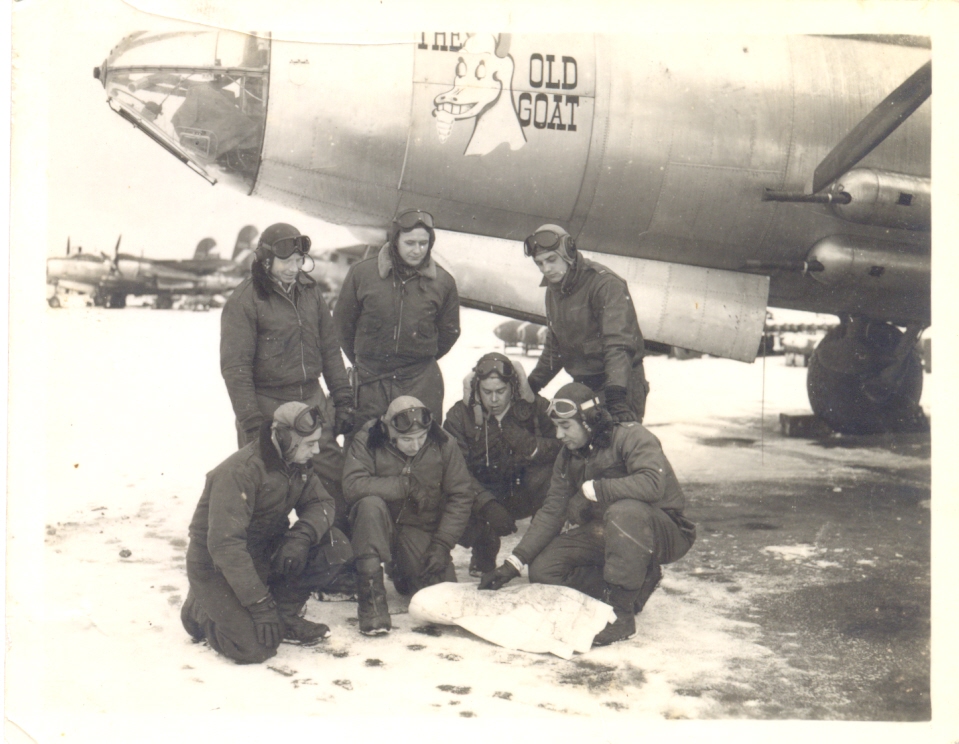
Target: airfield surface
[{"x": 806, "y": 595}]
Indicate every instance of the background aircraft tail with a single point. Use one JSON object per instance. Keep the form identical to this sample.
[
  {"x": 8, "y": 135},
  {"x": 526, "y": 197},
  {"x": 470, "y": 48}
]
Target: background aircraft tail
[
  {"x": 206, "y": 248},
  {"x": 245, "y": 246}
]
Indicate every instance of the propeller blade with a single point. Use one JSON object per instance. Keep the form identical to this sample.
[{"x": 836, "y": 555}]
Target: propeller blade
[
  {"x": 68, "y": 245},
  {"x": 116, "y": 251},
  {"x": 875, "y": 127}
]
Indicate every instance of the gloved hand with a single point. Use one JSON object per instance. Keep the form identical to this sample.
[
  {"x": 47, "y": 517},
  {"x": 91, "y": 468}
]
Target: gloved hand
[
  {"x": 618, "y": 405},
  {"x": 500, "y": 522},
  {"x": 520, "y": 441},
  {"x": 499, "y": 577},
  {"x": 251, "y": 429},
  {"x": 425, "y": 496},
  {"x": 343, "y": 420},
  {"x": 437, "y": 558},
  {"x": 291, "y": 557},
  {"x": 579, "y": 510},
  {"x": 266, "y": 620}
]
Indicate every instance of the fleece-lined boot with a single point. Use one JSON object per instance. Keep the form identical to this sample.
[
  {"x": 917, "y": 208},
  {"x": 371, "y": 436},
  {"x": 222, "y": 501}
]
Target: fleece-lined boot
[
  {"x": 297, "y": 629},
  {"x": 623, "y": 601},
  {"x": 372, "y": 610}
]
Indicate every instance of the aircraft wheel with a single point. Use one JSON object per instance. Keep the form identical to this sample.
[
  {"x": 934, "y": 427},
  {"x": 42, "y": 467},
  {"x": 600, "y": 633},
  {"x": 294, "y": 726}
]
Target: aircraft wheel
[
  {"x": 117, "y": 300},
  {"x": 164, "y": 302},
  {"x": 843, "y": 365},
  {"x": 54, "y": 301}
]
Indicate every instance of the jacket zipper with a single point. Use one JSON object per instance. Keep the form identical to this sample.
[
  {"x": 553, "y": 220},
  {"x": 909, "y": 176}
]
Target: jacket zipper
[
  {"x": 399, "y": 319},
  {"x": 299, "y": 323}
]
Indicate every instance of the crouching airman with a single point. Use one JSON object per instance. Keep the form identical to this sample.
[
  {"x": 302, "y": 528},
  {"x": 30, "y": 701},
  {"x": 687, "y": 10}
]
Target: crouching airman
[
  {"x": 250, "y": 572},
  {"x": 614, "y": 486},
  {"x": 410, "y": 496}
]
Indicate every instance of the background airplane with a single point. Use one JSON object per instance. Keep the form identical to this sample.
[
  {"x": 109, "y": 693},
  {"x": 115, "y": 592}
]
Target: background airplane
[
  {"x": 110, "y": 280},
  {"x": 717, "y": 175}
]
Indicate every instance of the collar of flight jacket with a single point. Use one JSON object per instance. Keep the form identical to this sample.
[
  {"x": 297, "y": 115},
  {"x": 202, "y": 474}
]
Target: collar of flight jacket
[{"x": 384, "y": 263}]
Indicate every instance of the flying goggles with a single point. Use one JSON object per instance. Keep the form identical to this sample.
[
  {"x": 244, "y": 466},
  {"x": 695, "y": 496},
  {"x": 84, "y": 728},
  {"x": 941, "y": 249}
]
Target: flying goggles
[
  {"x": 412, "y": 218},
  {"x": 543, "y": 240},
  {"x": 410, "y": 418},
  {"x": 486, "y": 367},
  {"x": 565, "y": 408},
  {"x": 308, "y": 420},
  {"x": 286, "y": 247}
]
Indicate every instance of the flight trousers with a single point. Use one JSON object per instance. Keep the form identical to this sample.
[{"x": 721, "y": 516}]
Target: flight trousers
[
  {"x": 375, "y": 392},
  {"x": 401, "y": 547},
  {"x": 616, "y": 548},
  {"x": 212, "y": 611}
]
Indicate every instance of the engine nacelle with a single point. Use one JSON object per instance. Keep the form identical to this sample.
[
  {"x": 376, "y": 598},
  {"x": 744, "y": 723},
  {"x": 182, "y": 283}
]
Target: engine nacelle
[
  {"x": 869, "y": 265},
  {"x": 884, "y": 199}
]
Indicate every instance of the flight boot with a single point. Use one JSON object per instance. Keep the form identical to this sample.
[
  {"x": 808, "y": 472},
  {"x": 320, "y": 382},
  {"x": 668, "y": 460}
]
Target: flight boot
[
  {"x": 372, "y": 610},
  {"x": 297, "y": 629},
  {"x": 483, "y": 558},
  {"x": 654, "y": 574},
  {"x": 623, "y": 601}
]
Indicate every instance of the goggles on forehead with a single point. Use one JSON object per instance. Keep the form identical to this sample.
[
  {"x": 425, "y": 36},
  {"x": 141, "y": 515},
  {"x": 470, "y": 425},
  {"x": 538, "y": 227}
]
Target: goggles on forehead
[
  {"x": 486, "y": 367},
  {"x": 565, "y": 408},
  {"x": 307, "y": 421},
  {"x": 544, "y": 240},
  {"x": 406, "y": 420},
  {"x": 286, "y": 247},
  {"x": 412, "y": 218}
]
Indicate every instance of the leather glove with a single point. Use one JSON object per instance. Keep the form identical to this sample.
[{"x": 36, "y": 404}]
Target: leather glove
[
  {"x": 291, "y": 557},
  {"x": 251, "y": 430},
  {"x": 499, "y": 577},
  {"x": 437, "y": 558},
  {"x": 579, "y": 510},
  {"x": 424, "y": 496},
  {"x": 343, "y": 420},
  {"x": 500, "y": 522},
  {"x": 520, "y": 441},
  {"x": 266, "y": 620},
  {"x": 617, "y": 404}
]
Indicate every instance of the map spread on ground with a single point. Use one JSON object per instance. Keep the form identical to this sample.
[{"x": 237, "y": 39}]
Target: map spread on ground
[{"x": 540, "y": 618}]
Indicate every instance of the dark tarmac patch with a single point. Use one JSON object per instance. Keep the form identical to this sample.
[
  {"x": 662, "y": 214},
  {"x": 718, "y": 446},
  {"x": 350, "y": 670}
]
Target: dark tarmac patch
[
  {"x": 613, "y": 705},
  {"x": 451, "y": 657},
  {"x": 715, "y": 576},
  {"x": 336, "y": 653},
  {"x": 503, "y": 695},
  {"x": 912, "y": 445},
  {"x": 430, "y": 630},
  {"x": 344, "y": 683},
  {"x": 467, "y": 714},
  {"x": 726, "y": 441},
  {"x": 454, "y": 689},
  {"x": 373, "y": 663},
  {"x": 869, "y": 638},
  {"x": 594, "y": 677},
  {"x": 285, "y": 671},
  {"x": 416, "y": 647}
]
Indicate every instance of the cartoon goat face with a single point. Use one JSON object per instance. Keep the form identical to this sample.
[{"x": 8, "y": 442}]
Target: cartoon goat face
[{"x": 479, "y": 80}]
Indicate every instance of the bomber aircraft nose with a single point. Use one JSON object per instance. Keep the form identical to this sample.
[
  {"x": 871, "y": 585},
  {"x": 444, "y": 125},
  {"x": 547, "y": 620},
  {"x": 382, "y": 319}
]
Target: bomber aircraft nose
[{"x": 198, "y": 93}]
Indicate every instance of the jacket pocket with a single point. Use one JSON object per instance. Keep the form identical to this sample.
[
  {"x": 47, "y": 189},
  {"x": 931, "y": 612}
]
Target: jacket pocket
[
  {"x": 426, "y": 329},
  {"x": 268, "y": 347}
]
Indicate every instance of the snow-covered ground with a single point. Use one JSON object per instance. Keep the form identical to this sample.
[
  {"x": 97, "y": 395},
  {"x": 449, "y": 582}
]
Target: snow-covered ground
[{"x": 135, "y": 415}]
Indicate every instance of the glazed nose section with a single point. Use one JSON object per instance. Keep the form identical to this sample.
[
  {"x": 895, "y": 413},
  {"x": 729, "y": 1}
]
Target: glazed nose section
[{"x": 200, "y": 94}]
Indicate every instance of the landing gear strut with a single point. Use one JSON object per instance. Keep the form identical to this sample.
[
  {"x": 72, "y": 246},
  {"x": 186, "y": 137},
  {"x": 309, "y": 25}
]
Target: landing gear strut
[{"x": 865, "y": 377}]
